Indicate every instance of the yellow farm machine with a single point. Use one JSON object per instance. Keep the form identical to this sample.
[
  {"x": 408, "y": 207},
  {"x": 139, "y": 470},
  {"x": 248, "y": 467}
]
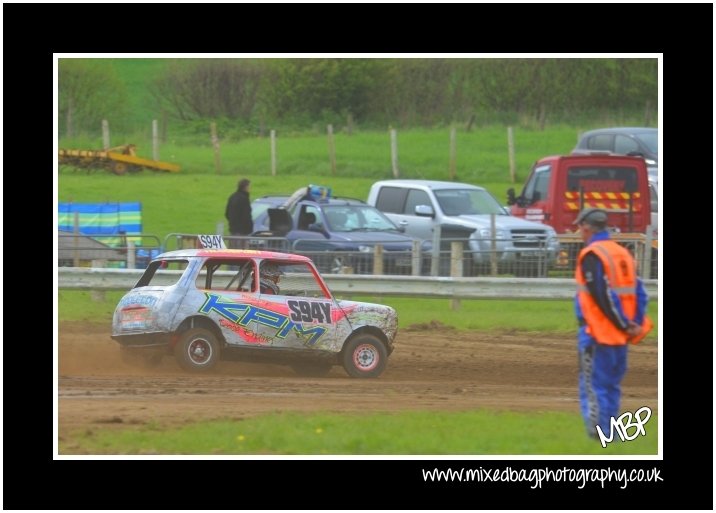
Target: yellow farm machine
[{"x": 119, "y": 160}]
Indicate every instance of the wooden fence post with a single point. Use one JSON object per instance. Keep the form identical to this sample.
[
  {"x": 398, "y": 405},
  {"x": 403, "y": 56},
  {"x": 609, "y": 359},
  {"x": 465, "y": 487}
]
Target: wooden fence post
[
  {"x": 378, "y": 259},
  {"x": 163, "y": 133},
  {"x": 331, "y": 150},
  {"x": 217, "y": 149},
  {"x": 453, "y": 152},
  {"x": 493, "y": 246},
  {"x": 435, "y": 261},
  {"x": 76, "y": 240},
  {"x": 416, "y": 257},
  {"x": 105, "y": 134},
  {"x": 69, "y": 125},
  {"x": 456, "y": 253},
  {"x": 511, "y": 152},
  {"x": 394, "y": 152},
  {"x": 131, "y": 255},
  {"x": 273, "y": 152},
  {"x": 155, "y": 139}
]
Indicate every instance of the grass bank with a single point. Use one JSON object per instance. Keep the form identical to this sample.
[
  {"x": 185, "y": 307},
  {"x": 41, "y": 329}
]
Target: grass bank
[
  {"x": 483, "y": 315},
  {"x": 480, "y": 432}
]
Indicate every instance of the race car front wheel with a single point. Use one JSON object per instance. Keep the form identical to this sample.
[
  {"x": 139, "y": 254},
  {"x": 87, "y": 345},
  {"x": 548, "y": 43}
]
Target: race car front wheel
[
  {"x": 197, "y": 350},
  {"x": 364, "y": 356}
]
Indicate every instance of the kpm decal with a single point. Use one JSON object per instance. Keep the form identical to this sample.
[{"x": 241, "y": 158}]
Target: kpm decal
[{"x": 243, "y": 314}]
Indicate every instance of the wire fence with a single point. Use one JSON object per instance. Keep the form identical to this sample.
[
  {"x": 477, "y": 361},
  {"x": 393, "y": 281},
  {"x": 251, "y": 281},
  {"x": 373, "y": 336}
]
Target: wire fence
[{"x": 456, "y": 257}]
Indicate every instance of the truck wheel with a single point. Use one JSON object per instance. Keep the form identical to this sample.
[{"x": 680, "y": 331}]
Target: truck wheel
[
  {"x": 197, "y": 350},
  {"x": 364, "y": 356}
]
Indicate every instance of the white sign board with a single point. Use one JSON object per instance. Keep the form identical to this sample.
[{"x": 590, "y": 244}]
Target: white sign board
[{"x": 212, "y": 242}]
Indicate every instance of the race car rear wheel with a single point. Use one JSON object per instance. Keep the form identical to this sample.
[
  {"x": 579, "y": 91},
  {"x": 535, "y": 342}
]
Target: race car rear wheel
[
  {"x": 197, "y": 350},
  {"x": 364, "y": 356}
]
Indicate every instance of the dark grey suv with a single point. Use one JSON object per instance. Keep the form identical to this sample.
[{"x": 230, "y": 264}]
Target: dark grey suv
[
  {"x": 625, "y": 141},
  {"x": 338, "y": 233}
]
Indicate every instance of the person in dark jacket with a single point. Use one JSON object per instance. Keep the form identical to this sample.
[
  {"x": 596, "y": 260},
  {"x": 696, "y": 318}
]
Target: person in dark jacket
[{"x": 238, "y": 213}]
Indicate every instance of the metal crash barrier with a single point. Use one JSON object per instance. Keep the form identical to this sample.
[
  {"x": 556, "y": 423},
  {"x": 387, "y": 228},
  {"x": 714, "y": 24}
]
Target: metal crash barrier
[{"x": 343, "y": 285}]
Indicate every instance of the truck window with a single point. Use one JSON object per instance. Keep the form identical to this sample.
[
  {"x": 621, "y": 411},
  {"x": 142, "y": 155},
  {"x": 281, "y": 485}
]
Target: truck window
[
  {"x": 458, "y": 202},
  {"x": 415, "y": 198},
  {"x": 602, "y": 179},
  {"x": 391, "y": 199},
  {"x": 538, "y": 183}
]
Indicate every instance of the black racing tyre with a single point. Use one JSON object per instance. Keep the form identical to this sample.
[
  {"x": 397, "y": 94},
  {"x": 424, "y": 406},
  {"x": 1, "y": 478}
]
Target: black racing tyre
[
  {"x": 197, "y": 350},
  {"x": 364, "y": 356},
  {"x": 312, "y": 369}
]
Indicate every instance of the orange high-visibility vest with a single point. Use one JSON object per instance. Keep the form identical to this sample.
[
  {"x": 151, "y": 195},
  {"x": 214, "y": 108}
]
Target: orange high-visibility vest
[{"x": 619, "y": 268}]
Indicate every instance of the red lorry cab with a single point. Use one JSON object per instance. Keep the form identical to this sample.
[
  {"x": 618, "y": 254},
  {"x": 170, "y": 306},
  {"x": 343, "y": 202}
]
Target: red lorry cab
[{"x": 560, "y": 186}]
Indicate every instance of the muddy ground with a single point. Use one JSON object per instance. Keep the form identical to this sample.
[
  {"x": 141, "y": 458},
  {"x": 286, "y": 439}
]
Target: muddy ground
[{"x": 433, "y": 368}]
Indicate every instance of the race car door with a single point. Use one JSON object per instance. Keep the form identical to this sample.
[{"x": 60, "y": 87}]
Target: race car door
[{"x": 295, "y": 311}]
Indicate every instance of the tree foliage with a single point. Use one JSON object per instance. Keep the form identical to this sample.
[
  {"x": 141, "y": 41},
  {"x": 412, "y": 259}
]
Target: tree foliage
[
  {"x": 316, "y": 88},
  {"x": 210, "y": 88},
  {"x": 372, "y": 92},
  {"x": 89, "y": 91}
]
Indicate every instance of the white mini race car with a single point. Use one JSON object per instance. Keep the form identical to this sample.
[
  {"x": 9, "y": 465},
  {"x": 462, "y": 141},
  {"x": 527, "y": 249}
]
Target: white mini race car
[{"x": 203, "y": 305}]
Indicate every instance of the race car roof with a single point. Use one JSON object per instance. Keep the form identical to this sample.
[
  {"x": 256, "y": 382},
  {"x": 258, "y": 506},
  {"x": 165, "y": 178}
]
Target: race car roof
[{"x": 232, "y": 253}]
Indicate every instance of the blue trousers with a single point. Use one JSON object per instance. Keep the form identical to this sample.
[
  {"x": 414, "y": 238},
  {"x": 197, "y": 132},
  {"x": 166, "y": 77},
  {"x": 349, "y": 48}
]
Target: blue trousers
[{"x": 601, "y": 370}]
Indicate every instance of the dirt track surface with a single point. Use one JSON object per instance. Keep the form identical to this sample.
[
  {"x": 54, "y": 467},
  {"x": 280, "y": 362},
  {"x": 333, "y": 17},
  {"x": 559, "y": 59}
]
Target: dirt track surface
[{"x": 432, "y": 368}]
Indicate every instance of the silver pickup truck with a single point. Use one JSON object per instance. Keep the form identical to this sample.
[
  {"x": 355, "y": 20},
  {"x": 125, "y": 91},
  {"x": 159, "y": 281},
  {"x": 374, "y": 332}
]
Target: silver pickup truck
[{"x": 522, "y": 247}]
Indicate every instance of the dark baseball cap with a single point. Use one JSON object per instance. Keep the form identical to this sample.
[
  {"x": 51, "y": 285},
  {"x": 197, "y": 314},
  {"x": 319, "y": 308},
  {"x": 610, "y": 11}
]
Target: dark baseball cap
[{"x": 592, "y": 216}]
